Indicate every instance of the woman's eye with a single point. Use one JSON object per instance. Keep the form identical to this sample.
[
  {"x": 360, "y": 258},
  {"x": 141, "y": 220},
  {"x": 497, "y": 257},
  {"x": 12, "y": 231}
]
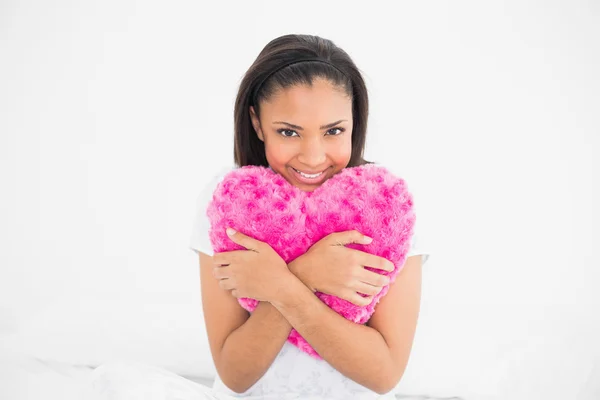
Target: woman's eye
[
  {"x": 339, "y": 129},
  {"x": 282, "y": 132}
]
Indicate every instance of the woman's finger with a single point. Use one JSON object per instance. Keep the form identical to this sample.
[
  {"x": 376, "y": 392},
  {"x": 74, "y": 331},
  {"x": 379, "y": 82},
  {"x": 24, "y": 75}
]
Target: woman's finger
[
  {"x": 373, "y": 261},
  {"x": 227, "y": 257},
  {"x": 365, "y": 288},
  {"x": 360, "y": 300},
  {"x": 372, "y": 278},
  {"x": 221, "y": 272},
  {"x": 226, "y": 284},
  {"x": 219, "y": 258},
  {"x": 355, "y": 298}
]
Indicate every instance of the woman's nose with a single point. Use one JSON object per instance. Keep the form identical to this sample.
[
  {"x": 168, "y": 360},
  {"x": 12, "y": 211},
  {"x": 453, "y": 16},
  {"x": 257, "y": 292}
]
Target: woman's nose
[{"x": 313, "y": 153}]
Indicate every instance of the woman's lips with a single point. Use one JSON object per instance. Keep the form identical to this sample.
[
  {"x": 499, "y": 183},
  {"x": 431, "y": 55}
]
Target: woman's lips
[{"x": 310, "y": 181}]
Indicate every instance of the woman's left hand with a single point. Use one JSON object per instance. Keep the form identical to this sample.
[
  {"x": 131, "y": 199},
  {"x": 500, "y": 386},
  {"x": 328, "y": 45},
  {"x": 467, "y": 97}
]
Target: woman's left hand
[{"x": 258, "y": 273}]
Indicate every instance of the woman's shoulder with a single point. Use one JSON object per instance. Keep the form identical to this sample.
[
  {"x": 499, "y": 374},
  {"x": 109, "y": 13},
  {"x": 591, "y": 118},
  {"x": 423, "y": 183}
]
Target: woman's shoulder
[
  {"x": 223, "y": 170},
  {"x": 210, "y": 186},
  {"x": 219, "y": 174}
]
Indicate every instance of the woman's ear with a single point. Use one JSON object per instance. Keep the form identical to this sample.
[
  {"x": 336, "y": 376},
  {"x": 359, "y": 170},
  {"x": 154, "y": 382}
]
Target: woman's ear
[{"x": 256, "y": 124}]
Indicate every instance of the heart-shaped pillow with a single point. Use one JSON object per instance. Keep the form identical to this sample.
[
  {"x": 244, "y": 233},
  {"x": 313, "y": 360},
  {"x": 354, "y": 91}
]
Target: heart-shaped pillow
[{"x": 262, "y": 204}]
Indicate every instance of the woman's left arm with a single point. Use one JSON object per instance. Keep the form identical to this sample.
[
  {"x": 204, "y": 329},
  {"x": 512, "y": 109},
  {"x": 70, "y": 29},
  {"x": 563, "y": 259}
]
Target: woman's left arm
[{"x": 374, "y": 355}]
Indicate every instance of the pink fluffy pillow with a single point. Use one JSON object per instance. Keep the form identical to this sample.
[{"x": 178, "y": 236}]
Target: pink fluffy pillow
[{"x": 262, "y": 204}]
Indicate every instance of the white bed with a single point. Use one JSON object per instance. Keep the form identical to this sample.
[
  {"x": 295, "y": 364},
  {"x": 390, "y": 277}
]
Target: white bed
[
  {"x": 546, "y": 365},
  {"x": 23, "y": 377},
  {"x": 26, "y": 377}
]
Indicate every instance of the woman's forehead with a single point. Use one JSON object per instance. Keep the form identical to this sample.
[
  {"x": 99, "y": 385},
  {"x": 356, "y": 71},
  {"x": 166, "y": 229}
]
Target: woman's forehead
[{"x": 303, "y": 105}]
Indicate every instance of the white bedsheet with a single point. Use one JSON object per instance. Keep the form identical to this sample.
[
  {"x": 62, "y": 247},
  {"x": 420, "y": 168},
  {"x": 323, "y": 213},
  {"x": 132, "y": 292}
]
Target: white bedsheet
[{"x": 23, "y": 377}]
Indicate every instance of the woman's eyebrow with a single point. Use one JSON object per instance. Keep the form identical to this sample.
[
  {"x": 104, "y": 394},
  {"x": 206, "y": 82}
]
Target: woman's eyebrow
[{"x": 300, "y": 128}]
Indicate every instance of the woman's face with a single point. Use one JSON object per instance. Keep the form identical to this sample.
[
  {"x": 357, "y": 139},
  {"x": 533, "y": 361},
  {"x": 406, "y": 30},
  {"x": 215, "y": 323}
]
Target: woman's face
[{"x": 306, "y": 129}]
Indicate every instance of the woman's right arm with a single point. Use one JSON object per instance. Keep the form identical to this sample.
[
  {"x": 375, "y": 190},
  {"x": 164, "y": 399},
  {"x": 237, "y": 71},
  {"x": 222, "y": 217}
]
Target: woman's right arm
[{"x": 243, "y": 345}]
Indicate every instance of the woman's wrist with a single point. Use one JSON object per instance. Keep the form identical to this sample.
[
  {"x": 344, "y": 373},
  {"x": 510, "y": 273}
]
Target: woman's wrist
[
  {"x": 296, "y": 268},
  {"x": 270, "y": 313},
  {"x": 292, "y": 295}
]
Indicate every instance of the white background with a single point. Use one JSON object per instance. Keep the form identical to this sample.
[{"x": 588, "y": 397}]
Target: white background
[{"x": 113, "y": 115}]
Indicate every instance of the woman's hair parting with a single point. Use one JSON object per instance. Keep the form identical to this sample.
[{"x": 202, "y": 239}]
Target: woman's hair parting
[{"x": 292, "y": 60}]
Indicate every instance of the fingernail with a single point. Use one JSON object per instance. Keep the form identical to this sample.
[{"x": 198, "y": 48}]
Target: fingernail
[
  {"x": 367, "y": 239},
  {"x": 230, "y": 231}
]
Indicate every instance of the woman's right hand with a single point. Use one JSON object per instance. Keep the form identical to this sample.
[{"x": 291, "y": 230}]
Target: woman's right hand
[{"x": 330, "y": 267}]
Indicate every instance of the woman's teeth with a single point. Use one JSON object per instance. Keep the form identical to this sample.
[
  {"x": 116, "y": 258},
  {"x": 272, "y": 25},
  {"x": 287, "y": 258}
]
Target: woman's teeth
[{"x": 308, "y": 175}]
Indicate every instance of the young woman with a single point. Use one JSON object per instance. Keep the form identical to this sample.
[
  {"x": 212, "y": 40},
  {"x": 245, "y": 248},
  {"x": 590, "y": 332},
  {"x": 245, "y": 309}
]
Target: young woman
[{"x": 302, "y": 111}]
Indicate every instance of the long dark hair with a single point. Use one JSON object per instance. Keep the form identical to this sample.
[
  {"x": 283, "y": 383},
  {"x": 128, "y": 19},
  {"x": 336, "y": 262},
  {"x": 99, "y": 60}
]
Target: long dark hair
[{"x": 248, "y": 148}]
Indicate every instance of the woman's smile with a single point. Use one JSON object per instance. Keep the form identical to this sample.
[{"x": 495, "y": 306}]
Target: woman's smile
[{"x": 314, "y": 179}]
